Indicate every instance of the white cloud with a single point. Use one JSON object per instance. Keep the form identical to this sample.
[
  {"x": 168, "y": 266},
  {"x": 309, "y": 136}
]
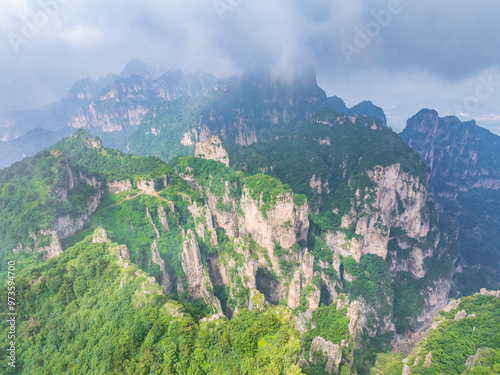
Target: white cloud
[
  {"x": 82, "y": 36},
  {"x": 420, "y": 59}
]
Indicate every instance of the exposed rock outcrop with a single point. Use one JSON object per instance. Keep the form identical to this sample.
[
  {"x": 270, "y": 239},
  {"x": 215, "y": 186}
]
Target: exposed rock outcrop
[
  {"x": 462, "y": 155},
  {"x": 146, "y": 187},
  {"x": 108, "y": 113},
  {"x": 197, "y": 277},
  {"x": 162, "y": 216},
  {"x": 332, "y": 351},
  {"x": 398, "y": 202},
  {"x": 212, "y": 149},
  {"x": 53, "y": 249},
  {"x": 150, "y": 219},
  {"x": 156, "y": 258},
  {"x": 115, "y": 187},
  {"x": 99, "y": 236},
  {"x": 285, "y": 223},
  {"x": 436, "y": 299},
  {"x": 246, "y": 268}
]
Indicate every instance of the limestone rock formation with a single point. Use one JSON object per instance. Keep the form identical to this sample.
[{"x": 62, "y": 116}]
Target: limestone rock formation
[
  {"x": 115, "y": 187},
  {"x": 156, "y": 258},
  {"x": 332, "y": 351},
  {"x": 212, "y": 149},
  {"x": 198, "y": 280},
  {"x": 398, "y": 202}
]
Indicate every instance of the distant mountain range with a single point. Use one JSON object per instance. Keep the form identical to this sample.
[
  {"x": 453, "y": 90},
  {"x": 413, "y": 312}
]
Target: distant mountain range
[
  {"x": 114, "y": 106},
  {"x": 247, "y": 225},
  {"x": 465, "y": 185}
]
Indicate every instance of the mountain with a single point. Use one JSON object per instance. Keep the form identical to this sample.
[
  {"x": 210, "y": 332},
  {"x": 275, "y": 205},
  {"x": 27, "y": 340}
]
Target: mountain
[
  {"x": 366, "y": 108},
  {"x": 124, "y": 103},
  {"x": 137, "y": 67},
  {"x": 175, "y": 240},
  {"x": 114, "y": 102},
  {"x": 116, "y": 108},
  {"x": 254, "y": 228},
  {"x": 92, "y": 310},
  {"x": 465, "y": 184},
  {"x": 462, "y": 155},
  {"x": 29, "y": 144},
  {"x": 355, "y": 238},
  {"x": 463, "y": 339},
  {"x": 241, "y": 110},
  {"x": 53, "y": 116},
  {"x": 367, "y": 193}
]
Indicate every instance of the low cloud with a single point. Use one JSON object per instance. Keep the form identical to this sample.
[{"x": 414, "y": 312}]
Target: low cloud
[{"x": 449, "y": 40}]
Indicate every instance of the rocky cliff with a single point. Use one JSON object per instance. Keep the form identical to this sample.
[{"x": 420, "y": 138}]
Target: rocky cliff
[
  {"x": 397, "y": 201},
  {"x": 212, "y": 149},
  {"x": 464, "y": 187},
  {"x": 260, "y": 238},
  {"x": 462, "y": 155},
  {"x": 124, "y": 103},
  {"x": 70, "y": 216}
]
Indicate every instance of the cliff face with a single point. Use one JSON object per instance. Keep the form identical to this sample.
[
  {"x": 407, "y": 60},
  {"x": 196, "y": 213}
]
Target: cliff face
[
  {"x": 283, "y": 225},
  {"x": 397, "y": 201},
  {"x": 212, "y": 149},
  {"x": 197, "y": 278},
  {"x": 124, "y": 103},
  {"x": 462, "y": 155},
  {"x": 464, "y": 186},
  {"x": 48, "y": 239}
]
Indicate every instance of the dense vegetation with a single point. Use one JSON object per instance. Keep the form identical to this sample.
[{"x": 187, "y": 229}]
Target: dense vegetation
[
  {"x": 466, "y": 344},
  {"x": 32, "y": 196},
  {"x": 217, "y": 178},
  {"x": 337, "y": 152},
  {"x": 84, "y": 312},
  {"x": 170, "y": 121},
  {"x": 371, "y": 284},
  {"x": 87, "y": 155},
  {"x": 83, "y": 302}
]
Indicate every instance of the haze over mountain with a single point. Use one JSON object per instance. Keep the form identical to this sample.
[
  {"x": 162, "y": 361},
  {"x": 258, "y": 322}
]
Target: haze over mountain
[
  {"x": 274, "y": 194},
  {"x": 407, "y": 60},
  {"x": 243, "y": 198},
  {"x": 114, "y": 106},
  {"x": 465, "y": 185}
]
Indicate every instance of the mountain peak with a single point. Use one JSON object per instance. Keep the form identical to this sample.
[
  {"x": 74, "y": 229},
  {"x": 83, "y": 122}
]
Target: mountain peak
[
  {"x": 140, "y": 68},
  {"x": 427, "y": 112}
]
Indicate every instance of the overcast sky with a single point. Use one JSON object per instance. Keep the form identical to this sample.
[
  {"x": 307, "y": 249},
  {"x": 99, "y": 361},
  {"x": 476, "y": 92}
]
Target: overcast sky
[{"x": 403, "y": 55}]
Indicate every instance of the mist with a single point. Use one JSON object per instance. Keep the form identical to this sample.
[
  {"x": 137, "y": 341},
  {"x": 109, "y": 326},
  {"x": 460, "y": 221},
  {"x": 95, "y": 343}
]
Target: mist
[{"x": 402, "y": 55}]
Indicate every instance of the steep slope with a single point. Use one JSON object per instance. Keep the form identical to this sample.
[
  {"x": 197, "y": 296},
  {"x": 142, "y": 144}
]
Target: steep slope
[
  {"x": 464, "y": 339},
  {"x": 367, "y": 193},
  {"x": 29, "y": 144},
  {"x": 365, "y": 108},
  {"x": 50, "y": 196},
  {"x": 53, "y": 116},
  {"x": 462, "y": 156},
  {"x": 465, "y": 183},
  {"x": 168, "y": 231},
  {"x": 111, "y": 103},
  {"x": 90, "y": 310},
  {"x": 124, "y": 103},
  {"x": 241, "y": 110},
  {"x": 43, "y": 199},
  {"x": 245, "y": 109}
]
